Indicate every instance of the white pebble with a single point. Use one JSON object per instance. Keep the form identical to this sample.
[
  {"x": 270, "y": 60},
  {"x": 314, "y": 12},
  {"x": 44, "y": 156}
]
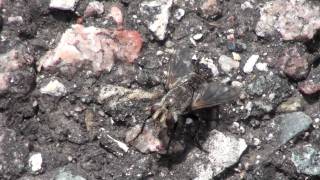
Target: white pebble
[
  {"x": 35, "y": 162},
  {"x": 248, "y": 67},
  {"x": 54, "y": 88},
  {"x": 197, "y": 37},
  {"x": 262, "y": 66},
  {"x": 179, "y": 14}
]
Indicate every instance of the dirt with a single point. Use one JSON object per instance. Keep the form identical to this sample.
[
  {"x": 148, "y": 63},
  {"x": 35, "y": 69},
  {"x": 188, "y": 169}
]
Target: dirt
[{"x": 73, "y": 131}]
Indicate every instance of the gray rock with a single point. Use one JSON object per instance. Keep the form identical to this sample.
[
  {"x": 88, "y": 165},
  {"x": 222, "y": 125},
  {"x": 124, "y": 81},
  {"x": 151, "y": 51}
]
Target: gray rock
[
  {"x": 224, "y": 151},
  {"x": 159, "y": 11},
  {"x": 293, "y": 19},
  {"x": 307, "y": 160},
  {"x": 292, "y": 124}
]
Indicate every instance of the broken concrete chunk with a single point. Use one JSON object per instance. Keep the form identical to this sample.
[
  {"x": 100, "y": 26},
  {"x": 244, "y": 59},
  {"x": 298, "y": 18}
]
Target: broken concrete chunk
[
  {"x": 159, "y": 11},
  {"x": 224, "y": 151},
  {"x": 63, "y": 4},
  {"x": 293, "y": 19},
  {"x": 54, "y": 88},
  {"x": 98, "y": 46}
]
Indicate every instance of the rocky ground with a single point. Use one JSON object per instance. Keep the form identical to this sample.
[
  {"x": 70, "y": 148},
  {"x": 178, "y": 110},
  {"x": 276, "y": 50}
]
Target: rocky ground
[{"x": 78, "y": 76}]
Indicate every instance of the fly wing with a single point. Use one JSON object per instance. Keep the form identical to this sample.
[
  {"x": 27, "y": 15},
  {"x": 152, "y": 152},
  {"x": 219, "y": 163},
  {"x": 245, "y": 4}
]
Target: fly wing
[
  {"x": 212, "y": 94},
  {"x": 180, "y": 66}
]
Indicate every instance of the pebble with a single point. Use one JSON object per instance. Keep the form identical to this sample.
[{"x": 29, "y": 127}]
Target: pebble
[
  {"x": 292, "y": 124},
  {"x": 197, "y": 37},
  {"x": 294, "y": 63},
  {"x": 94, "y": 8},
  {"x": 306, "y": 160},
  {"x": 209, "y": 63},
  {"x": 211, "y": 8},
  {"x": 236, "y": 56},
  {"x": 160, "y": 12},
  {"x": 63, "y": 4},
  {"x": 262, "y": 67},
  {"x": 293, "y": 19},
  {"x": 309, "y": 87},
  {"x": 248, "y": 67},
  {"x": 179, "y": 14},
  {"x": 224, "y": 151},
  {"x": 35, "y": 162},
  {"x": 54, "y": 88},
  {"x": 227, "y": 64},
  {"x": 67, "y": 175}
]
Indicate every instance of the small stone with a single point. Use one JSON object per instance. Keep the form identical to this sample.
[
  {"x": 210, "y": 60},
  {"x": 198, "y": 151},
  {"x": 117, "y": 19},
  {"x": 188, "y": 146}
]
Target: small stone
[
  {"x": 227, "y": 64},
  {"x": 197, "y": 37},
  {"x": 292, "y": 124},
  {"x": 236, "y": 56},
  {"x": 262, "y": 67},
  {"x": 159, "y": 11},
  {"x": 210, "y": 8},
  {"x": 116, "y": 14},
  {"x": 309, "y": 87},
  {"x": 224, "y": 151},
  {"x": 15, "y": 19},
  {"x": 248, "y": 67},
  {"x": 63, "y": 4},
  {"x": 144, "y": 142},
  {"x": 246, "y": 5},
  {"x": 293, "y": 19},
  {"x": 236, "y": 84},
  {"x": 306, "y": 160},
  {"x": 209, "y": 63},
  {"x": 94, "y": 8},
  {"x": 35, "y": 162},
  {"x": 291, "y": 105},
  {"x": 294, "y": 64},
  {"x": 54, "y": 88},
  {"x": 179, "y": 14}
]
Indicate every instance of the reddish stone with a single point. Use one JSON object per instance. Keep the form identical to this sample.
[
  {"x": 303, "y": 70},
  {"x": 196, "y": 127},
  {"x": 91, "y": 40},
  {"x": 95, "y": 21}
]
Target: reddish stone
[{"x": 309, "y": 87}]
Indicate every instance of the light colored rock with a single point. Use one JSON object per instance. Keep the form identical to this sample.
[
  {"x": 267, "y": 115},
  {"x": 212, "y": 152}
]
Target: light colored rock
[
  {"x": 224, "y": 151},
  {"x": 248, "y": 67},
  {"x": 227, "y": 64},
  {"x": 197, "y": 37},
  {"x": 262, "y": 66},
  {"x": 122, "y": 145},
  {"x": 54, "y": 88},
  {"x": 98, "y": 46},
  {"x": 293, "y": 19},
  {"x": 209, "y": 63},
  {"x": 179, "y": 14},
  {"x": 236, "y": 56},
  {"x": 67, "y": 175},
  {"x": 35, "y": 162},
  {"x": 63, "y": 4},
  {"x": 94, "y": 8},
  {"x": 159, "y": 22}
]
